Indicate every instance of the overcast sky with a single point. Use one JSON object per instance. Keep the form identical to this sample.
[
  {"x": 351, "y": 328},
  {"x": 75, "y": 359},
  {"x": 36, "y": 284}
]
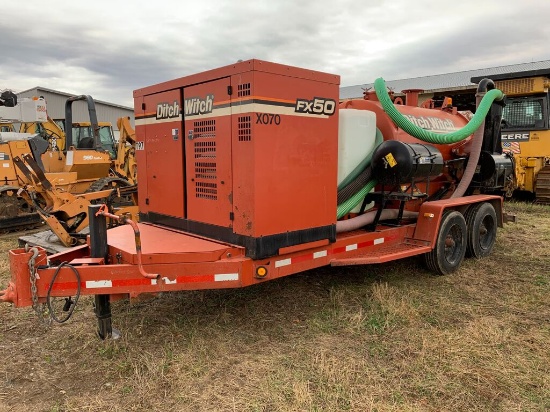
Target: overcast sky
[{"x": 109, "y": 48}]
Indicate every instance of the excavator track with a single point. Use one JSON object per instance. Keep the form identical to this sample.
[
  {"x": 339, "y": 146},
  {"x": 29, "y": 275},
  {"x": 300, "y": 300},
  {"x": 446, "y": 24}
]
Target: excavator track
[
  {"x": 15, "y": 213},
  {"x": 542, "y": 189},
  {"x": 122, "y": 191}
]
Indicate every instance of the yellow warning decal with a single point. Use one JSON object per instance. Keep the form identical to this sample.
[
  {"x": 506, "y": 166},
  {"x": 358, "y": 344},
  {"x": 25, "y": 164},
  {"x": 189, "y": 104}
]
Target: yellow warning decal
[{"x": 390, "y": 159}]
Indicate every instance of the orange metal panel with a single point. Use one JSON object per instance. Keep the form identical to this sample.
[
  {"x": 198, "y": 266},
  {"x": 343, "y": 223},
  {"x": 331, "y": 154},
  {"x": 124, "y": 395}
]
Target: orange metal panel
[
  {"x": 164, "y": 151},
  {"x": 161, "y": 245},
  {"x": 285, "y": 170},
  {"x": 384, "y": 254},
  {"x": 20, "y": 276},
  {"x": 240, "y": 67},
  {"x": 141, "y": 157},
  {"x": 208, "y": 153},
  {"x": 303, "y": 246}
]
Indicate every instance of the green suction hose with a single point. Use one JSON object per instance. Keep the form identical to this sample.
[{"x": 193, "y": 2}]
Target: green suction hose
[
  {"x": 426, "y": 135},
  {"x": 421, "y": 134},
  {"x": 353, "y": 201}
]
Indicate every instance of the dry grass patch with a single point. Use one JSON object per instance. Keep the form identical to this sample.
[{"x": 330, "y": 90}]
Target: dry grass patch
[{"x": 376, "y": 338}]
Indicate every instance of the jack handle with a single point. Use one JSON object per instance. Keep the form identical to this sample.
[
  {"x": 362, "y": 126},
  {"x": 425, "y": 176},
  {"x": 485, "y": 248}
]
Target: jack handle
[{"x": 104, "y": 211}]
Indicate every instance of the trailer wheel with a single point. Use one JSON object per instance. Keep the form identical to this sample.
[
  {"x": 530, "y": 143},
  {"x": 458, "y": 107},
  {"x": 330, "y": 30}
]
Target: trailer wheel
[
  {"x": 481, "y": 221},
  {"x": 450, "y": 246}
]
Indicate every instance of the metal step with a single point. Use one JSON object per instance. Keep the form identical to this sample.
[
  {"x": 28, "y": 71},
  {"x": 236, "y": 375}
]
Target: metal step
[{"x": 383, "y": 254}]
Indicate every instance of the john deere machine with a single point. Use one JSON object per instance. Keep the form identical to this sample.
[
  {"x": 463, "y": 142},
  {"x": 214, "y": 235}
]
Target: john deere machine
[{"x": 525, "y": 129}]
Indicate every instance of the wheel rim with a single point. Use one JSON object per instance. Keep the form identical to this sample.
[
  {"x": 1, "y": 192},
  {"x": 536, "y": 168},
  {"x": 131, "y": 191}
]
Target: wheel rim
[
  {"x": 453, "y": 245},
  {"x": 486, "y": 232}
]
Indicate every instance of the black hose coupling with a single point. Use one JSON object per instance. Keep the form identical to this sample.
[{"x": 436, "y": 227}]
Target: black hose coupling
[{"x": 485, "y": 85}]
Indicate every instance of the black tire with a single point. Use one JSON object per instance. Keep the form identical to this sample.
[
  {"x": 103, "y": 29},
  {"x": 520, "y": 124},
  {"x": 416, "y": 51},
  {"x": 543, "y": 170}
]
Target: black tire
[
  {"x": 450, "y": 246},
  {"x": 481, "y": 221}
]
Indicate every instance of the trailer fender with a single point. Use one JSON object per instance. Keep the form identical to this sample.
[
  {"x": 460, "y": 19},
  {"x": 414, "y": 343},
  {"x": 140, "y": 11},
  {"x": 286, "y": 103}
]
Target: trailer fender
[{"x": 430, "y": 214}]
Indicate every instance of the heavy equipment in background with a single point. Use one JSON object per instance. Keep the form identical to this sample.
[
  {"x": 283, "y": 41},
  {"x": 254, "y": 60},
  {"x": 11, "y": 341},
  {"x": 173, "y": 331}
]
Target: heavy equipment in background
[
  {"x": 525, "y": 130},
  {"x": 254, "y": 171},
  {"x": 6, "y": 127},
  {"x": 49, "y": 176},
  {"x": 124, "y": 164},
  {"x": 122, "y": 152},
  {"x": 66, "y": 182},
  {"x": 15, "y": 212},
  {"x": 49, "y": 130}
]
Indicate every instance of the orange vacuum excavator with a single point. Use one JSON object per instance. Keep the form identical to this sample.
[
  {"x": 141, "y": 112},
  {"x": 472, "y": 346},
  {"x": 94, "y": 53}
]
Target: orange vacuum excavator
[{"x": 255, "y": 171}]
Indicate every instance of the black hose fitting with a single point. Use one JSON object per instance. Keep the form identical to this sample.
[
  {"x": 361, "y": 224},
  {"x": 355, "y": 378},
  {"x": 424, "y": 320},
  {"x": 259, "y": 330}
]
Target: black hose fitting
[{"x": 485, "y": 85}]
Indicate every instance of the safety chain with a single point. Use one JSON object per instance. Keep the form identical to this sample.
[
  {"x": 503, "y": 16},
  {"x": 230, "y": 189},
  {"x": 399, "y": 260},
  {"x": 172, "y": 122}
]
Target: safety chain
[{"x": 39, "y": 308}]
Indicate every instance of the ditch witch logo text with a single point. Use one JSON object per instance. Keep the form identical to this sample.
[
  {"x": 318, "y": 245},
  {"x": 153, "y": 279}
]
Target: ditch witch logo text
[{"x": 192, "y": 106}]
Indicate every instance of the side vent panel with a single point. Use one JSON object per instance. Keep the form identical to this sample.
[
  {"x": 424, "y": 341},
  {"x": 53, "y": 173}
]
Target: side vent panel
[
  {"x": 205, "y": 159},
  {"x": 207, "y": 190},
  {"x": 245, "y": 128},
  {"x": 243, "y": 90}
]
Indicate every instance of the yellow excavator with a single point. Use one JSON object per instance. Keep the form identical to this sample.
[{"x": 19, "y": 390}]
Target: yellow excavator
[
  {"x": 56, "y": 184},
  {"x": 87, "y": 162},
  {"x": 48, "y": 130},
  {"x": 123, "y": 163},
  {"x": 6, "y": 127}
]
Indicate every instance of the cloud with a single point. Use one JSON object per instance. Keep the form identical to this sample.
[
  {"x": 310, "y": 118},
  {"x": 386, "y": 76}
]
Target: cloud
[{"x": 109, "y": 50}]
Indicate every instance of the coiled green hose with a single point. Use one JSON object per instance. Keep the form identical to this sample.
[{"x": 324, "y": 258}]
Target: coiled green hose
[
  {"x": 421, "y": 134},
  {"x": 426, "y": 135},
  {"x": 353, "y": 201}
]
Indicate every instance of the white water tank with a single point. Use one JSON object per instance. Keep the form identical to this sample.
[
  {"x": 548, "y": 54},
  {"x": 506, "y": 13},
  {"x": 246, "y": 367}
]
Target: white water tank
[{"x": 356, "y": 137}]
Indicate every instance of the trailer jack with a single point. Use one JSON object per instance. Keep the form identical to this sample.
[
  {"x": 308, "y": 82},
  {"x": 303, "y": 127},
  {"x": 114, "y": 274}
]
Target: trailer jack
[
  {"x": 102, "y": 309},
  {"x": 98, "y": 249}
]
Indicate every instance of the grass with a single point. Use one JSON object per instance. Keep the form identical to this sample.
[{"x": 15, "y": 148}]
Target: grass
[{"x": 370, "y": 338}]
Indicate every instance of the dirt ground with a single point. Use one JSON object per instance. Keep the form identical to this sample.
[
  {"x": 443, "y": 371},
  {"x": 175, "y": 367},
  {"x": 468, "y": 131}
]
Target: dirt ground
[{"x": 389, "y": 337}]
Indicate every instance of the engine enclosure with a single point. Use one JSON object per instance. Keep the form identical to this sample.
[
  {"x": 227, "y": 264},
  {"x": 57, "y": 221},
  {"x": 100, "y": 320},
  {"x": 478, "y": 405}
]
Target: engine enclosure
[{"x": 245, "y": 154}]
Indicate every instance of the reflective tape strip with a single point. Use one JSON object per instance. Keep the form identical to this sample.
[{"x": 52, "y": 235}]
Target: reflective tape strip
[
  {"x": 325, "y": 253},
  {"x": 95, "y": 284},
  {"x": 284, "y": 262},
  {"x": 220, "y": 277},
  {"x": 320, "y": 254},
  {"x": 223, "y": 277}
]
